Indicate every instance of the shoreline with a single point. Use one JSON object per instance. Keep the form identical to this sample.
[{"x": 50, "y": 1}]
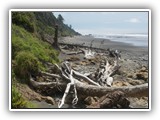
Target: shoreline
[
  {"x": 87, "y": 40},
  {"x": 102, "y": 43},
  {"x": 139, "y": 54}
]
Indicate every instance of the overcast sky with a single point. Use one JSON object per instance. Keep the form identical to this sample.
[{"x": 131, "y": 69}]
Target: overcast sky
[{"x": 106, "y": 22}]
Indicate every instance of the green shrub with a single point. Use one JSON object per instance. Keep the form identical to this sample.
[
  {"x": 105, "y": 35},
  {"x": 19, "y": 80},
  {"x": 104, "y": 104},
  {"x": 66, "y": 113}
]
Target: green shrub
[
  {"x": 17, "y": 100},
  {"x": 25, "y": 41},
  {"x": 26, "y": 64},
  {"x": 24, "y": 19}
]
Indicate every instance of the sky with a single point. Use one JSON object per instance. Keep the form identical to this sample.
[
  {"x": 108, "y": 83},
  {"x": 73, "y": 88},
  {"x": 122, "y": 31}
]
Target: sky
[{"x": 106, "y": 22}]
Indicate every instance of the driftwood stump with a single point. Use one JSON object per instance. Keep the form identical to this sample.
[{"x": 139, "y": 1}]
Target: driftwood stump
[{"x": 55, "y": 44}]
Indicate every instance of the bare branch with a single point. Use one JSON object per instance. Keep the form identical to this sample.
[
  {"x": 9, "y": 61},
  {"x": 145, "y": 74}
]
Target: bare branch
[
  {"x": 79, "y": 75},
  {"x": 51, "y": 75}
]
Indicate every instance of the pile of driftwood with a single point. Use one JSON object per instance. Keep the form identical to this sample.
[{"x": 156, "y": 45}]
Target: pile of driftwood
[{"x": 70, "y": 81}]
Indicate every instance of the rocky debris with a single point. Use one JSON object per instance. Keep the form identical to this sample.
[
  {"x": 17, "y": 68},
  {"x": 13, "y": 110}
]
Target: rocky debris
[
  {"x": 143, "y": 69},
  {"x": 73, "y": 58},
  {"x": 141, "y": 102},
  {"x": 129, "y": 75},
  {"x": 120, "y": 83},
  {"x": 142, "y": 74},
  {"x": 38, "y": 98},
  {"x": 111, "y": 100},
  {"x": 90, "y": 100},
  {"x": 49, "y": 100},
  {"x": 135, "y": 82}
]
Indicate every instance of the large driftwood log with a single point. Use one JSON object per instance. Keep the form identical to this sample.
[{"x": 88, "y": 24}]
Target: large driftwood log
[{"x": 92, "y": 90}]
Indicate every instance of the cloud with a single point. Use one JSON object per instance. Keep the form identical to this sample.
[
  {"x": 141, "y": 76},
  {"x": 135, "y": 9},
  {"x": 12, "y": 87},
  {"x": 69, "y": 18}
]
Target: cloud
[{"x": 133, "y": 20}]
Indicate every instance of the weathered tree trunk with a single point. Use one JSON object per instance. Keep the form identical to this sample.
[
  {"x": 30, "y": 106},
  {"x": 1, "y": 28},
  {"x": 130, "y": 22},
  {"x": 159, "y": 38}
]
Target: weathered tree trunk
[
  {"x": 56, "y": 34},
  {"x": 92, "y": 90},
  {"x": 55, "y": 44}
]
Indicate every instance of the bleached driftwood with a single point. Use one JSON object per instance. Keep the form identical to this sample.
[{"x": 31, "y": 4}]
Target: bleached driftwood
[
  {"x": 88, "y": 53},
  {"x": 67, "y": 72},
  {"x": 85, "y": 78},
  {"x": 73, "y": 78},
  {"x": 72, "y": 82},
  {"x": 104, "y": 72},
  {"x": 48, "y": 74}
]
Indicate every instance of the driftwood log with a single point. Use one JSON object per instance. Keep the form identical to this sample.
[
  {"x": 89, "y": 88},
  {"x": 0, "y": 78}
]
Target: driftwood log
[
  {"x": 88, "y": 52},
  {"x": 92, "y": 90}
]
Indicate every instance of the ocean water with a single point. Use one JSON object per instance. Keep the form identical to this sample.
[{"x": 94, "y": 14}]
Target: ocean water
[{"x": 133, "y": 39}]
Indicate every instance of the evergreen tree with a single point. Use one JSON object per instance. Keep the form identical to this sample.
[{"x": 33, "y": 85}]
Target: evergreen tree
[{"x": 60, "y": 18}]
